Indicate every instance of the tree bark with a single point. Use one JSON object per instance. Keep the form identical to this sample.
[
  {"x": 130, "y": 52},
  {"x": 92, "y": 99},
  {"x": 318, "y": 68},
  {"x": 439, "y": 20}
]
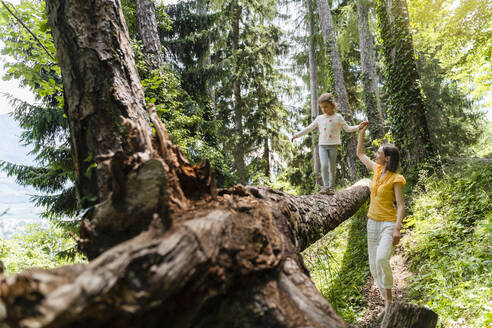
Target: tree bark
[
  {"x": 313, "y": 86},
  {"x": 206, "y": 259},
  {"x": 147, "y": 28},
  {"x": 99, "y": 104},
  {"x": 329, "y": 37},
  {"x": 369, "y": 75},
  {"x": 111, "y": 137},
  {"x": 404, "y": 315}
]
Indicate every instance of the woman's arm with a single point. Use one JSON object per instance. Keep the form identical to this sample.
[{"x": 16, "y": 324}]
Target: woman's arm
[
  {"x": 360, "y": 147},
  {"x": 400, "y": 211}
]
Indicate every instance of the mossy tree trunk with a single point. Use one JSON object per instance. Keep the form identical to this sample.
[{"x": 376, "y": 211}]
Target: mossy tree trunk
[{"x": 407, "y": 109}]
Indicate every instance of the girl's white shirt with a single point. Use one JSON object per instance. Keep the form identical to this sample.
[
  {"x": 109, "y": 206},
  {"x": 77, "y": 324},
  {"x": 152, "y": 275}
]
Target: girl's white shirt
[{"x": 329, "y": 128}]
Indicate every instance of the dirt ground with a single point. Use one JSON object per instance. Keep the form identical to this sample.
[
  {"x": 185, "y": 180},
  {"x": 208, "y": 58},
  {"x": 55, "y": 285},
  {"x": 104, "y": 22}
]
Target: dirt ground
[{"x": 373, "y": 316}]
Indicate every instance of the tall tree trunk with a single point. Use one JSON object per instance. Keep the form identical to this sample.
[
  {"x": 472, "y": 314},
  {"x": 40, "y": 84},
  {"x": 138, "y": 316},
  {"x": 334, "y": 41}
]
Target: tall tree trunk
[
  {"x": 239, "y": 155},
  {"x": 407, "y": 110},
  {"x": 369, "y": 75},
  {"x": 313, "y": 78},
  {"x": 207, "y": 259},
  {"x": 112, "y": 145},
  {"x": 266, "y": 157},
  {"x": 147, "y": 28},
  {"x": 329, "y": 37}
]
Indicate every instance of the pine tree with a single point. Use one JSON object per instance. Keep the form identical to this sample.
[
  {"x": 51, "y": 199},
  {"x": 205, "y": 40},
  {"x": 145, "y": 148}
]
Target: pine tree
[
  {"x": 247, "y": 96},
  {"x": 226, "y": 52},
  {"x": 45, "y": 125}
]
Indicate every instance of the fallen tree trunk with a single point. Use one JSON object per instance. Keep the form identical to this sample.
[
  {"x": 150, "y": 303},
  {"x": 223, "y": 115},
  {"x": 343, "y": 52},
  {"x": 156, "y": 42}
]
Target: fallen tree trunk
[
  {"x": 233, "y": 262},
  {"x": 205, "y": 258}
]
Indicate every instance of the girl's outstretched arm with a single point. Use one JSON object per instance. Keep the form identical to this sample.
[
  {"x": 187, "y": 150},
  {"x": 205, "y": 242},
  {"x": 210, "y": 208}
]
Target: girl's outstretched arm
[
  {"x": 346, "y": 127},
  {"x": 310, "y": 127},
  {"x": 360, "y": 147}
]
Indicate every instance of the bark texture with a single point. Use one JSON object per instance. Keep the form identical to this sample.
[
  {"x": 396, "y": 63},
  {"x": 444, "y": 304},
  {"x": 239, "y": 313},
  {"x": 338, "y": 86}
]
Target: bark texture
[
  {"x": 206, "y": 258},
  {"x": 98, "y": 103},
  {"x": 404, "y": 315},
  {"x": 329, "y": 37},
  {"x": 369, "y": 74},
  {"x": 147, "y": 28},
  {"x": 313, "y": 86}
]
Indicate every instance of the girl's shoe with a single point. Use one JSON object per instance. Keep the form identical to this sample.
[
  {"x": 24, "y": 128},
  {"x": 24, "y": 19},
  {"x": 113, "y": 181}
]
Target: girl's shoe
[{"x": 326, "y": 191}]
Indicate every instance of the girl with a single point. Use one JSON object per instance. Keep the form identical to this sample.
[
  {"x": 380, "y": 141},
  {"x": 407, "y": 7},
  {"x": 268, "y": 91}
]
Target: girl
[
  {"x": 384, "y": 219},
  {"x": 329, "y": 125}
]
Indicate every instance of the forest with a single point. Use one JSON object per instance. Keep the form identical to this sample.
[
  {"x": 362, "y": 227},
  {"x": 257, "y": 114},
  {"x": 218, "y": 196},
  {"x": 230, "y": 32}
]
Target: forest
[{"x": 179, "y": 186}]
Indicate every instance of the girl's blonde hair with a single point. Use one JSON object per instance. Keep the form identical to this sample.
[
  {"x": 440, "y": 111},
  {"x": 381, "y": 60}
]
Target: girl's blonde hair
[{"x": 328, "y": 98}]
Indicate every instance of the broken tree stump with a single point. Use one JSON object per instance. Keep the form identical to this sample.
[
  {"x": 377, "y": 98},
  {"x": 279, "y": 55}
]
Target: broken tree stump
[{"x": 405, "y": 315}]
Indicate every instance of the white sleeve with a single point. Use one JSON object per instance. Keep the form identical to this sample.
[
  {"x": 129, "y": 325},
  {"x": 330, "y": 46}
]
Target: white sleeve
[
  {"x": 346, "y": 127},
  {"x": 310, "y": 128}
]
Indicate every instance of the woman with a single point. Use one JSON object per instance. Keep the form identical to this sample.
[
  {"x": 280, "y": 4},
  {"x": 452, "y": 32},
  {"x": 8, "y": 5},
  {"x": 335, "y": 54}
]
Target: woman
[{"x": 384, "y": 219}]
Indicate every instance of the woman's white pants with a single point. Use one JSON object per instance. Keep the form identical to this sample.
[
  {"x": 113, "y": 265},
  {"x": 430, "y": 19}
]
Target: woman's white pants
[{"x": 380, "y": 248}]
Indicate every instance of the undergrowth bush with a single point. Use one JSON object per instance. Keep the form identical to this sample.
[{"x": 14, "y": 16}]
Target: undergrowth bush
[
  {"x": 38, "y": 246},
  {"x": 448, "y": 244}
]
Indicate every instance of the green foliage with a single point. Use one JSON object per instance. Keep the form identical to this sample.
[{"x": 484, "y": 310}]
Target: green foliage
[
  {"x": 447, "y": 242},
  {"x": 189, "y": 39},
  {"x": 200, "y": 41},
  {"x": 453, "y": 120},
  {"x": 45, "y": 125},
  {"x": 339, "y": 266},
  {"x": 459, "y": 35},
  {"x": 252, "y": 67},
  {"x": 483, "y": 147},
  {"x": 32, "y": 62},
  {"x": 38, "y": 246},
  {"x": 188, "y": 123}
]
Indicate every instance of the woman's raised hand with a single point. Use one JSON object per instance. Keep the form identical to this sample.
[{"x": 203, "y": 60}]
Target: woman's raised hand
[{"x": 363, "y": 126}]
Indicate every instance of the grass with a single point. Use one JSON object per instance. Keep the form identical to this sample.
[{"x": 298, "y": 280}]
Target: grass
[{"x": 449, "y": 242}]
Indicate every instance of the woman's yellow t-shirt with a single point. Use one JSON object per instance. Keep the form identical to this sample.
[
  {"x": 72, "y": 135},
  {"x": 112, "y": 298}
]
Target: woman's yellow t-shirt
[{"x": 382, "y": 207}]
